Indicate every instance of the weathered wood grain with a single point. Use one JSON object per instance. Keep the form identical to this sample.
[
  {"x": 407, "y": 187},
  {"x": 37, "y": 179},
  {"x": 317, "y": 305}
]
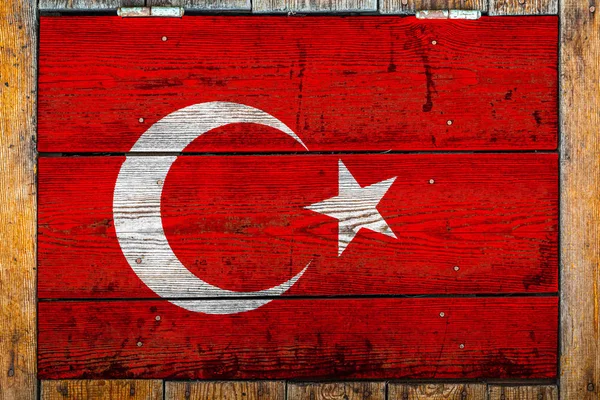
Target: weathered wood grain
[
  {"x": 102, "y": 390},
  {"x": 523, "y": 7},
  {"x": 411, "y": 6},
  {"x": 487, "y": 224},
  {"x": 308, "y": 6},
  {"x": 232, "y": 390},
  {"x": 580, "y": 200},
  {"x": 538, "y": 392},
  {"x": 437, "y": 391},
  {"x": 18, "y": 37},
  {"x": 203, "y": 4},
  {"x": 95, "y": 5},
  {"x": 369, "y": 338},
  {"x": 336, "y": 391},
  {"x": 352, "y": 84}
]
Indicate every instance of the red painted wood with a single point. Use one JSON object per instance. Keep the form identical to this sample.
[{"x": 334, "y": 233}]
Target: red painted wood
[
  {"x": 319, "y": 338},
  {"x": 360, "y": 83},
  {"x": 239, "y": 222}
]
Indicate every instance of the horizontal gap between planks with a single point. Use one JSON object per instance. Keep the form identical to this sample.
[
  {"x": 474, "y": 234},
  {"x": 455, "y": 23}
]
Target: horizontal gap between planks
[
  {"x": 47, "y": 12},
  {"x": 288, "y": 153},
  {"x": 305, "y": 297}
]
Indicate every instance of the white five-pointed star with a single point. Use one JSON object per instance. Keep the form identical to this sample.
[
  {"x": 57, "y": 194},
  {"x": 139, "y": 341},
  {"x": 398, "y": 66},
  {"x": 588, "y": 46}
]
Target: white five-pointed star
[{"x": 355, "y": 207}]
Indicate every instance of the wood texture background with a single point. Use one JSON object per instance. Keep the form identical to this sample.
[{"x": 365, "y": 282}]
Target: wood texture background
[
  {"x": 18, "y": 33},
  {"x": 580, "y": 200},
  {"x": 581, "y": 47}
]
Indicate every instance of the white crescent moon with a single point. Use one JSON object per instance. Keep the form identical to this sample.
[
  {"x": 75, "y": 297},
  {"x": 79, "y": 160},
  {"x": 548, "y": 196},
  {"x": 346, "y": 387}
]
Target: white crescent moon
[{"x": 137, "y": 217}]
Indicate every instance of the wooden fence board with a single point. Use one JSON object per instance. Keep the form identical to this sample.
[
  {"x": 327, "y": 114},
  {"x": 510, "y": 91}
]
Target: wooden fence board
[
  {"x": 102, "y": 390},
  {"x": 96, "y": 5},
  {"x": 539, "y": 392},
  {"x": 580, "y": 200},
  {"x": 18, "y": 37},
  {"x": 411, "y": 6},
  {"x": 488, "y": 224},
  {"x": 203, "y": 4},
  {"x": 437, "y": 391},
  {"x": 232, "y": 390},
  {"x": 336, "y": 391},
  {"x": 304, "y": 338},
  {"x": 307, "y": 6},
  {"x": 352, "y": 84},
  {"x": 523, "y": 7}
]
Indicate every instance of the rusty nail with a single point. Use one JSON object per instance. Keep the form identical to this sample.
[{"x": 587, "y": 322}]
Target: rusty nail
[
  {"x": 139, "y": 344},
  {"x": 590, "y": 387},
  {"x": 138, "y": 260},
  {"x": 462, "y": 346},
  {"x": 442, "y": 314},
  {"x": 11, "y": 372},
  {"x": 592, "y": 9},
  {"x": 456, "y": 268},
  {"x": 141, "y": 120},
  {"x": 449, "y": 122},
  {"x": 434, "y": 42},
  {"x": 157, "y": 318}
]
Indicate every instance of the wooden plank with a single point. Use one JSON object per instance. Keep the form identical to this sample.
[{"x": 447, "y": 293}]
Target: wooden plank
[
  {"x": 361, "y": 83},
  {"x": 538, "y": 392},
  {"x": 411, "y": 6},
  {"x": 437, "y": 391},
  {"x": 336, "y": 391},
  {"x": 580, "y": 201},
  {"x": 203, "y": 4},
  {"x": 82, "y": 5},
  {"x": 371, "y": 338},
  {"x": 102, "y": 390},
  {"x": 488, "y": 224},
  {"x": 240, "y": 390},
  {"x": 308, "y": 6},
  {"x": 523, "y": 7},
  {"x": 18, "y": 37}
]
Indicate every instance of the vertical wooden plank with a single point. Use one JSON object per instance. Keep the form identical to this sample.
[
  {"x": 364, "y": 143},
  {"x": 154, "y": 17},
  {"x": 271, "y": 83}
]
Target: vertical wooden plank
[
  {"x": 96, "y": 5},
  {"x": 242, "y": 5},
  {"x": 102, "y": 390},
  {"x": 17, "y": 199},
  {"x": 307, "y": 6},
  {"x": 336, "y": 391},
  {"x": 439, "y": 391},
  {"x": 411, "y": 6},
  {"x": 538, "y": 392},
  {"x": 523, "y": 7},
  {"x": 232, "y": 390},
  {"x": 580, "y": 200}
]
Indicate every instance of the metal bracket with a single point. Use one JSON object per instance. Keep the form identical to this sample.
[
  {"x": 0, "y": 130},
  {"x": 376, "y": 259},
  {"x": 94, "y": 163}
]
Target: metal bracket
[
  {"x": 165, "y": 12},
  {"x": 448, "y": 14}
]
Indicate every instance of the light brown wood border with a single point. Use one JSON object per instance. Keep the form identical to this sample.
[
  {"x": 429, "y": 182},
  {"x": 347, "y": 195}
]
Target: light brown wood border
[
  {"x": 18, "y": 46},
  {"x": 580, "y": 199},
  {"x": 580, "y": 205}
]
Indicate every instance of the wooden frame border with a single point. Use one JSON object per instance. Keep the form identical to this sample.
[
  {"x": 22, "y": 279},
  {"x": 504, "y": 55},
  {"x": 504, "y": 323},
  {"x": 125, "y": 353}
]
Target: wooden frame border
[{"x": 580, "y": 203}]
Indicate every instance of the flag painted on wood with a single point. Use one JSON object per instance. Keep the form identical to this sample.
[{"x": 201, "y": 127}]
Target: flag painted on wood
[{"x": 252, "y": 203}]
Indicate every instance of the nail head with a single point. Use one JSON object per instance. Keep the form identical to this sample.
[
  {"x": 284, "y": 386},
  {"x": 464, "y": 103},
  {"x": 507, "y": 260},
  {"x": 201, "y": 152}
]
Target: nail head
[
  {"x": 164, "y": 38},
  {"x": 434, "y": 42},
  {"x": 138, "y": 260},
  {"x": 139, "y": 344},
  {"x": 442, "y": 314},
  {"x": 431, "y": 181}
]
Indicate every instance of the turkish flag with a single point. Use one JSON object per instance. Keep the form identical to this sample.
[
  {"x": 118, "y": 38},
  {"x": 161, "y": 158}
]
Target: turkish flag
[{"x": 250, "y": 204}]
